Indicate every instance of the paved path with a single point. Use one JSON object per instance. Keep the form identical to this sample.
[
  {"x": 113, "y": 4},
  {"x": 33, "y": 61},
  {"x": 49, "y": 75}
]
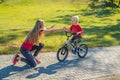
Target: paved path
[{"x": 99, "y": 62}]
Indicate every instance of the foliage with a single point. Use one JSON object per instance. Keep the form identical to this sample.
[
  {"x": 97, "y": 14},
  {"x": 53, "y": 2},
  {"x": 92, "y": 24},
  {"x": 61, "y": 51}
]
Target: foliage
[{"x": 106, "y": 3}]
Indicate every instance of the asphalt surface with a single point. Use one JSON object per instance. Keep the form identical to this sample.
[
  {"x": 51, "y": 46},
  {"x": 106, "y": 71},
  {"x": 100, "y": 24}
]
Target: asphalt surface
[{"x": 102, "y": 61}]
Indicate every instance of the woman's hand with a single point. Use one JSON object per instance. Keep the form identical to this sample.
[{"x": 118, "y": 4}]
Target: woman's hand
[
  {"x": 64, "y": 28},
  {"x": 67, "y": 30}
]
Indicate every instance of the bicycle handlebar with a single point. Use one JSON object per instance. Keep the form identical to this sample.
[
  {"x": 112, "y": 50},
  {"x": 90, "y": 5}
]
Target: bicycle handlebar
[{"x": 69, "y": 34}]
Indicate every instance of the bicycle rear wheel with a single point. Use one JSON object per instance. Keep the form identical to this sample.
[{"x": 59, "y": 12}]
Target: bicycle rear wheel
[
  {"x": 62, "y": 54},
  {"x": 82, "y": 50}
]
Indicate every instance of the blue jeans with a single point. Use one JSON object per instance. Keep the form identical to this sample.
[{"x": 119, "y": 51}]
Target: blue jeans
[{"x": 30, "y": 60}]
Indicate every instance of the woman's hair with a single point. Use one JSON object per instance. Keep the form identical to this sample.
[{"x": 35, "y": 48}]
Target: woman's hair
[
  {"x": 34, "y": 35},
  {"x": 76, "y": 18}
]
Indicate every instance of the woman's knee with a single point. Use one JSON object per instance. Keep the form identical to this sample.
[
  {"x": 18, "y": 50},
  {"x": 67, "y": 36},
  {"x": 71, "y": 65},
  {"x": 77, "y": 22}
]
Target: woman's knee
[{"x": 33, "y": 63}]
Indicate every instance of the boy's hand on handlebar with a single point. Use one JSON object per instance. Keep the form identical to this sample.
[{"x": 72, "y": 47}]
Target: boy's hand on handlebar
[{"x": 78, "y": 33}]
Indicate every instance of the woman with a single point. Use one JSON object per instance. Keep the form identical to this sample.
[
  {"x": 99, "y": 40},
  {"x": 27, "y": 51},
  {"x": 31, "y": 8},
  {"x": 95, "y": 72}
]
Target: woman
[{"x": 32, "y": 43}]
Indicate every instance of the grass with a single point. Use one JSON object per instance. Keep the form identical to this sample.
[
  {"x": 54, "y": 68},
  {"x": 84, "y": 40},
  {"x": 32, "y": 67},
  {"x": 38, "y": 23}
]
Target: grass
[{"x": 17, "y": 18}]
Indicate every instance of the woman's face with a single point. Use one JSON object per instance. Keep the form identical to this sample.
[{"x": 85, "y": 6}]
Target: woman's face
[{"x": 42, "y": 24}]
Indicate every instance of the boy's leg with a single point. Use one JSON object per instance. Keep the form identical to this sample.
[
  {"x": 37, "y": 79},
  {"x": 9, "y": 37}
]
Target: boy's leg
[
  {"x": 74, "y": 41},
  {"x": 28, "y": 55},
  {"x": 38, "y": 48},
  {"x": 73, "y": 38},
  {"x": 78, "y": 38}
]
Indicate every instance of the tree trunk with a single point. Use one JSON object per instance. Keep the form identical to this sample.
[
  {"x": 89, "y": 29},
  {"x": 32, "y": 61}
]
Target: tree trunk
[
  {"x": 1, "y": 1},
  {"x": 112, "y": 1},
  {"x": 119, "y": 4}
]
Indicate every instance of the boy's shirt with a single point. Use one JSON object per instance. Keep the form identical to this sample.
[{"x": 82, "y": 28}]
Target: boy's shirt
[{"x": 76, "y": 28}]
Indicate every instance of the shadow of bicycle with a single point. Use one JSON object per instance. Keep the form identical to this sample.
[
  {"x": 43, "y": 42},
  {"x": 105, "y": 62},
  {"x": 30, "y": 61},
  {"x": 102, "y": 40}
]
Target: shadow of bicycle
[{"x": 53, "y": 68}]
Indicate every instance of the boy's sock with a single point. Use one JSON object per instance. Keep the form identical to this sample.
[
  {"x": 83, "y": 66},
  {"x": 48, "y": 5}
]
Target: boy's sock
[{"x": 74, "y": 51}]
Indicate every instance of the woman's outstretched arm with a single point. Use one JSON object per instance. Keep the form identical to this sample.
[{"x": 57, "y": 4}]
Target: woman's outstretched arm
[
  {"x": 54, "y": 30},
  {"x": 50, "y": 27}
]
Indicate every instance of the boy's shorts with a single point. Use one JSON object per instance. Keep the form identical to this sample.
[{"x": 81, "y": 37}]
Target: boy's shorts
[{"x": 78, "y": 38}]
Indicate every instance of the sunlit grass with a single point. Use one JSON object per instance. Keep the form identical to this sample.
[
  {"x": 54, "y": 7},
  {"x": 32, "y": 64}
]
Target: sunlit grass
[
  {"x": 108, "y": 37},
  {"x": 18, "y": 17}
]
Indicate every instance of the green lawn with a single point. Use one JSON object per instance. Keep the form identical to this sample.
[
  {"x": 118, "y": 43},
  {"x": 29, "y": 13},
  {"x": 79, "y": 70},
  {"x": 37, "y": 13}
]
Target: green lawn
[{"x": 17, "y": 18}]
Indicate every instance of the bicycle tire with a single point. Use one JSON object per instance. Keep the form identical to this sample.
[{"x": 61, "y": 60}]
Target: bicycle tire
[
  {"x": 63, "y": 51},
  {"x": 80, "y": 50}
]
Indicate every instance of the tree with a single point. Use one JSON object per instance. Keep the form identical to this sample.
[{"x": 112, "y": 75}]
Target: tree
[
  {"x": 119, "y": 3},
  {"x": 2, "y": 1},
  {"x": 113, "y": 3}
]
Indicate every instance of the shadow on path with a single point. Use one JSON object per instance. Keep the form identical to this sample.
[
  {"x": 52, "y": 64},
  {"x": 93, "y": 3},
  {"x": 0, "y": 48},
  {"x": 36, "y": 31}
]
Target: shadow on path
[
  {"x": 53, "y": 68},
  {"x": 11, "y": 70}
]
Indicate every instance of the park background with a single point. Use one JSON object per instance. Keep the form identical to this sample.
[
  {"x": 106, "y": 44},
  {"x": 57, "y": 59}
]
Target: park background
[{"x": 100, "y": 20}]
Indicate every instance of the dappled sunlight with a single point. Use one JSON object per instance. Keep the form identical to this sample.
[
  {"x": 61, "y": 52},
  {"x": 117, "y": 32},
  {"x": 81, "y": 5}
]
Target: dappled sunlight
[
  {"x": 90, "y": 36},
  {"x": 108, "y": 37}
]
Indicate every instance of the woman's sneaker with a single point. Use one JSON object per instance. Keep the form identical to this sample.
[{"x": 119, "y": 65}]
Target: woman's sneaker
[
  {"x": 16, "y": 58},
  {"x": 38, "y": 61}
]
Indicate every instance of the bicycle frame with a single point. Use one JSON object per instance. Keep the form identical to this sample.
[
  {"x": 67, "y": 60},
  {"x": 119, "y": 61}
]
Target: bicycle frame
[
  {"x": 73, "y": 45},
  {"x": 68, "y": 42}
]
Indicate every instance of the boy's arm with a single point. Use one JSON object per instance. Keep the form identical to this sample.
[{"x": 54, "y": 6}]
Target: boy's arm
[{"x": 80, "y": 31}]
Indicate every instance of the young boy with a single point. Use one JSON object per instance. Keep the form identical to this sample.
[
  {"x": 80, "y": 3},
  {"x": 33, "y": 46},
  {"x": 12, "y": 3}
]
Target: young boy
[{"x": 75, "y": 28}]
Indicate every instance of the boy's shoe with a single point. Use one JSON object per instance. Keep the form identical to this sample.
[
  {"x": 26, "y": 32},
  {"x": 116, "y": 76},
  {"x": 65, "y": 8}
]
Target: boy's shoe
[
  {"x": 74, "y": 51},
  {"x": 16, "y": 58},
  {"x": 38, "y": 61}
]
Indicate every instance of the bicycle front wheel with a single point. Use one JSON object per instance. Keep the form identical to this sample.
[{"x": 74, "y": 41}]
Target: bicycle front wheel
[
  {"x": 62, "y": 54},
  {"x": 82, "y": 50}
]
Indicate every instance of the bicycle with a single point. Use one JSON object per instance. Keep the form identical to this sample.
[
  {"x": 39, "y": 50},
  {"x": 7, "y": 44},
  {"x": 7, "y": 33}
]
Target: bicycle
[{"x": 80, "y": 49}]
